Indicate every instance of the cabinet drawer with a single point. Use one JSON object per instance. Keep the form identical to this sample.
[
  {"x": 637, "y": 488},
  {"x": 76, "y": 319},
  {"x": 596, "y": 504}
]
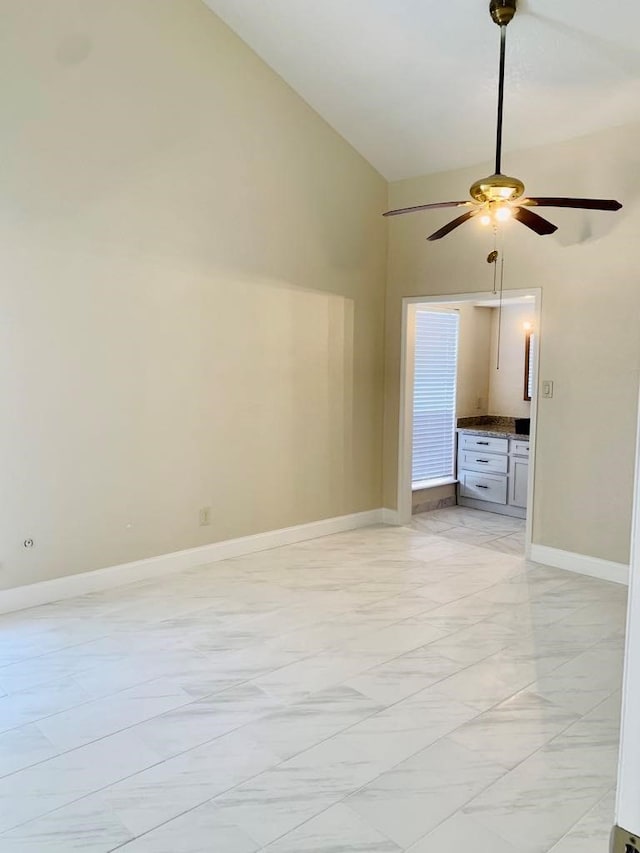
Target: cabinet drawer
[
  {"x": 488, "y": 444},
  {"x": 483, "y": 488},
  {"x": 520, "y": 448},
  {"x": 474, "y": 460}
]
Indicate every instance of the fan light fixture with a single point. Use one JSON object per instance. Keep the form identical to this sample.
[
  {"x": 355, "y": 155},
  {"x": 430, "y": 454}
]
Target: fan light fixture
[{"x": 498, "y": 198}]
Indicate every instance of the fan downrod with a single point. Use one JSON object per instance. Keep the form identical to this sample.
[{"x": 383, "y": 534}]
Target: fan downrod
[{"x": 502, "y": 11}]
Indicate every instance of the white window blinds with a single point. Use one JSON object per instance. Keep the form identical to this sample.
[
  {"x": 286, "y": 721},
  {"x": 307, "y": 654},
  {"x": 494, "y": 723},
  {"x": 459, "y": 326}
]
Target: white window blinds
[
  {"x": 530, "y": 364},
  {"x": 434, "y": 395}
]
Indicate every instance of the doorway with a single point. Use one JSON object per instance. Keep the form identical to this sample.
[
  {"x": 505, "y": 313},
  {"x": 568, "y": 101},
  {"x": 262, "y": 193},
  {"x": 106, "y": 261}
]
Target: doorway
[{"x": 496, "y": 362}]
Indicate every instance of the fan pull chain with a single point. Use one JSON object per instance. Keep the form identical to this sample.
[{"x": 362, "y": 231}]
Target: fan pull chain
[
  {"x": 495, "y": 258},
  {"x": 500, "y": 306},
  {"x": 492, "y": 258}
]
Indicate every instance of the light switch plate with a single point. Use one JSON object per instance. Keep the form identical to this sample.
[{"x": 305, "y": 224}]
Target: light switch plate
[
  {"x": 623, "y": 841},
  {"x": 547, "y": 388}
]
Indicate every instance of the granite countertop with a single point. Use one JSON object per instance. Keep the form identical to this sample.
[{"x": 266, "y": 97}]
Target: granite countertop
[
  {"x": 497, "y": 427},
  {"x": 495, "y": 431}
]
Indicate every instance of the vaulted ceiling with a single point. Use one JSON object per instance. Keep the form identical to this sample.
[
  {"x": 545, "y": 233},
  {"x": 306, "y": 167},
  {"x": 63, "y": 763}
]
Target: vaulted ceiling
[{"x": 411, "y": 83}]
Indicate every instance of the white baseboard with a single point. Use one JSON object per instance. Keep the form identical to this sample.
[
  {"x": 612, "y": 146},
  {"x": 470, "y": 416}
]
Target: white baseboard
[
  {"x": 580, "y": 563},
  {"x": 70, "y": 586},
  {"x": 390, "y": 516}
]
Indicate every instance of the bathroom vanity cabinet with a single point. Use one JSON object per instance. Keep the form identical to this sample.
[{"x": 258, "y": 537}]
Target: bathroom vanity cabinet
[{"x": 493, "y": 471}]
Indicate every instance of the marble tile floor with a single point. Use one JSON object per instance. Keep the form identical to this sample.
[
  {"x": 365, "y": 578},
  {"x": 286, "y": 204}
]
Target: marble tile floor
[
  {"x": 484, "y": 529},
  {"x": 388, "y": 689}
]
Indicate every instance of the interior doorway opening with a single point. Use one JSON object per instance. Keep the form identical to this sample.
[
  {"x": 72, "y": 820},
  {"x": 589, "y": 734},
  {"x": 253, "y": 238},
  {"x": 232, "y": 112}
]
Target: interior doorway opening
[{"x": 468, "y": 405}]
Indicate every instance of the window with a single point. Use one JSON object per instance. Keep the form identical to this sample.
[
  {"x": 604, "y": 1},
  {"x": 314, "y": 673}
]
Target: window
[
  {"x": 529, "y": 362},
  {"x": 434, "y": 396}
]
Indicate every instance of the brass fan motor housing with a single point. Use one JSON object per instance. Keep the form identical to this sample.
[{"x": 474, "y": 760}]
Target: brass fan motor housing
[
  {"x": 502, "y": 11},
  {"x": 497, "y": 188}
]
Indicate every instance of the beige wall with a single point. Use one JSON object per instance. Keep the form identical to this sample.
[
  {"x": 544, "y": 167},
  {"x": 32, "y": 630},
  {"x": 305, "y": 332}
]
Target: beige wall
[
  {"x": 590, "y": 346},
  {"x": 192, "y": 291},
  {"x": 474, "y": 345},
  {"x": 506, "y": 385}
]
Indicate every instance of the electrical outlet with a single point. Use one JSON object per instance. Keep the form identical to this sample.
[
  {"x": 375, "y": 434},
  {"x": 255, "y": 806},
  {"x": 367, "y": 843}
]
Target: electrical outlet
[{"x": 205, "y": 516}]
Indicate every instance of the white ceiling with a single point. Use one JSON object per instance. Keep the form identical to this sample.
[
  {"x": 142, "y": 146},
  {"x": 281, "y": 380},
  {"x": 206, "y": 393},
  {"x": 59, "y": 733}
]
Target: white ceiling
[{"x": 411, "y": 83}]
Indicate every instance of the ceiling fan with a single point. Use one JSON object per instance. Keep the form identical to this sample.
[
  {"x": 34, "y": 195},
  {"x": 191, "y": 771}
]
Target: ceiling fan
[{"x": 499, "y": 197}]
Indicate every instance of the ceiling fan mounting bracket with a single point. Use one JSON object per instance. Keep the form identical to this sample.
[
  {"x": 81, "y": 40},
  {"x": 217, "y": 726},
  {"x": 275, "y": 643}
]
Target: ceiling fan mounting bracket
[{"x": 502, "y": 11}]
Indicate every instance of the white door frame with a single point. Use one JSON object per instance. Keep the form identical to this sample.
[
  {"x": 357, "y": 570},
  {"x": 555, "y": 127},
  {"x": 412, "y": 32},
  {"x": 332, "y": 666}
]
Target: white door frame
[
  {"x": 405, "y": 435},
  {"x": 628, "y": 793}
]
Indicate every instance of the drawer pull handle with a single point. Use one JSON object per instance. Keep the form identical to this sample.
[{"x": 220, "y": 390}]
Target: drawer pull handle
[
  {"x": 484, "y": 461},
  {"x": 482, "y": 487},
  {"x": 485, "y": 443}
]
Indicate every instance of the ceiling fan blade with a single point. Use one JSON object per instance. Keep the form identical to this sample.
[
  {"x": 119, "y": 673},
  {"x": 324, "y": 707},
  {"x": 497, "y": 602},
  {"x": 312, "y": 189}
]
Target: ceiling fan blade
[
  {"x": 427, "y": 207},
  {"x": 579, "y": 203},
  {"x": 447, "y": 229},
  {"x": 532, "y": 220}
]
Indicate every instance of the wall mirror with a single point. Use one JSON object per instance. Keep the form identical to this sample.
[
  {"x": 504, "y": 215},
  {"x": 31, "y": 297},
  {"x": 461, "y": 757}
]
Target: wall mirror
[{"x": 529, "y": 364}]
